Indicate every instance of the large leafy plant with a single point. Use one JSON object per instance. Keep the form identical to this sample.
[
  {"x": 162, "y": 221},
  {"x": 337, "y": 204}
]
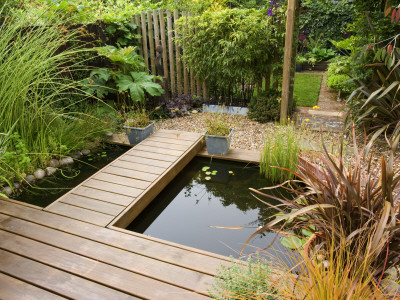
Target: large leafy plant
[
  {"x": 334, "y": 203},
  {"x": 124, "y": 78}
]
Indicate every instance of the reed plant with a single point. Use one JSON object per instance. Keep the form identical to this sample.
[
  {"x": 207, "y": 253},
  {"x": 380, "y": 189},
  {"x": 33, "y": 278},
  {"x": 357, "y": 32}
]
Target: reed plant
[
  {"x": 280, "y": 153},
  {"x": 35, "y": 77}
]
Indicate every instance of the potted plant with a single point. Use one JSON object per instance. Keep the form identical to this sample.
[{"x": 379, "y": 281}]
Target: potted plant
[
  {"x": 300, "y": 60},
  {"x": 138, "y": 125},
  {"x": 218, "y": 135}
]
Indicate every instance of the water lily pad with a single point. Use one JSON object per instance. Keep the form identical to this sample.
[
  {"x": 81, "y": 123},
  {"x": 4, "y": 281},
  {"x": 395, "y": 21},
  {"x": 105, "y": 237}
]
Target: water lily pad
[
  {"x": 230, "y": 172},
  {"x": 205, "y": 169},
  {"x": 208, "y": 178},
  {"x": 214, "y": 172},
  {"x": 292, "y": 242},
  {"x": 208, "y": 173}
]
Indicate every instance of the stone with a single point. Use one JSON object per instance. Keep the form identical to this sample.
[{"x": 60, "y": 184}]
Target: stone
[
  {"x": 30, "y": 179},
  {"x": 16, "y": 186},
  {"x": 7, "y": 190},
  {"x": 85, "y": 151},
  {"x": 108, "y": 134},
  {"x": 39, "y": 174},
  {"x": 50, "y": 171},
  {"x": 66, "y": 161},
  {"x": 194, "y": 111},
  {"x": 76, "y": 155},
  {"x": 53, "y": 163}
]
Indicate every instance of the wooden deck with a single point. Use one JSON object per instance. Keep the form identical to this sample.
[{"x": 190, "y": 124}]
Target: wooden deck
[{"x": 75, "y": 249}]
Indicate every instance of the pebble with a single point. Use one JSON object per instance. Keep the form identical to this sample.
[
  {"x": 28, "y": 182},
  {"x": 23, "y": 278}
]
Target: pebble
[
  {"x": 108, "y": 134},
  {"x": 85, "y": 151},
  {"x": 76, "y": 155},
  {"x": 53, "y": 163},
  {"x": 66, "y": 161},
  {"x": 16, "y": 186},
  {"x": 39, "y": 174},
  {"x": 50, "y": 171},
  {"x": 194, "y": 111},
  {"x": 7, "y": 190},
  {"x": 30, "y": 179}
]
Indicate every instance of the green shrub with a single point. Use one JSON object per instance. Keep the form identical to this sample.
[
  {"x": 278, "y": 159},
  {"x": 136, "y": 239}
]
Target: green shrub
[
  {"x": 341, "y": 82},
  {"x": 265, "y": 107},
  {"x": 280, "y": 151},
  {"x": 240, "y": 282}
]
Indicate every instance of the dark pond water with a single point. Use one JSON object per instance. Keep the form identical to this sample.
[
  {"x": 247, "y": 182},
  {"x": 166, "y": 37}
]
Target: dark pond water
[
  {"x": 53, "y": 187},
  {"x": 192, "y": 207}
]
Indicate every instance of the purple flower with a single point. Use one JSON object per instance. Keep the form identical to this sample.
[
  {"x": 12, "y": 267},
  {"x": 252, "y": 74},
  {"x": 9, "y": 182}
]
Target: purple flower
[
  {"x": 302, "y": 36},
  {"x": 198, "y": 90},
  {"x": 270, "y": 14},
  {"x": 272, "y": 2}
]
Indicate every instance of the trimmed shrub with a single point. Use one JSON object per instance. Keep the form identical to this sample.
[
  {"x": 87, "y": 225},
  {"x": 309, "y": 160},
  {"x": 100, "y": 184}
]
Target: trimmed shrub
[{"x": 265, "y": 107}]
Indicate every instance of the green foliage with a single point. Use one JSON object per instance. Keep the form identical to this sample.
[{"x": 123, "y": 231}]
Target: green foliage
[
  {"x": 137, "y": 118},
  {"x": 280, "y": 151},
  {"x": 33, "y": 80},
  {"x": 341, "y": 82},
  {"x": 229, "y": 45},
  {"x": 306, "y": 89},
  {"x": 123, "y": 33},
  {"x": 265, "y": 107},
  {"x": 196, "y": 7},
  {"x": 123, "y": 77},
  {"x": 244, "y": 282},
  {"x": 326, "y": 19},
  {"x": 216, "y": 125}
]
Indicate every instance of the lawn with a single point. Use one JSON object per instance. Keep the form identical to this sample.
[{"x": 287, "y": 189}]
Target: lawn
[{"x": 306, "y": 89}]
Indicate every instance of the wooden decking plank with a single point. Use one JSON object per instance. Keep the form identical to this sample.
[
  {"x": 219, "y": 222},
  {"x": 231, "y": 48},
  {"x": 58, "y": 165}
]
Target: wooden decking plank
[
  {"x": 176, "y": 134},
  {"x": 159, "y": 144},
  {"x": 240, "y": 155},
  {"x": 138, "y": 167},
  {"x": 147, "y": 161},
  {"x": 170, "y": 140},
  {"x": 93, "y": 270},
  {"x": 149, "y": 267},
  {"x": 136, "y": 243},
  {"x": 122, "y": 180},
  {"x": 92, "y": 204},
  {"x": 79, "y": 213},
  {"x": 151, "y": 155},
  {"x": 130, "y": 173},
  {"x": 158, "y": 150},
  {"x": 102, "y": 195},
  {"x": 55, "y": 280},
  {"x": 113, "y": 188},
  {"x": 15, "y": 289}
]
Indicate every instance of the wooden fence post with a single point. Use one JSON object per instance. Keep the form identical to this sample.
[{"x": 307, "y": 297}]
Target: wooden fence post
[
  {"x": 156, "y": 29},
  {"x": 163, "y": 44},
  {"x": 178, "y": 56},
  {"x": 144, "y": 39},
  {"x": 151, "y": 42},
  {"x": 185, "y": 71},
  {"x": 171, "y": 52},
  {"x": 287, "y": 62},
  {"x": 139, "y": 31}
]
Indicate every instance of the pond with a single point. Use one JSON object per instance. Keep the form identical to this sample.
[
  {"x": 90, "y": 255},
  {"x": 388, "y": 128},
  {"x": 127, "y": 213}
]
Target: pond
[
  {"x": 49, "y": 189},
  {"x": 205, "y": 197}
]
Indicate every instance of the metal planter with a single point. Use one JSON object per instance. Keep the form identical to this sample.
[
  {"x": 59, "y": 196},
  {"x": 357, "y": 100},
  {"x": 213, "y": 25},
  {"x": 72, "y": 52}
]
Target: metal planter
[
  {"x": 136, "y": 135},
  {"x": 218, "y": 145}
]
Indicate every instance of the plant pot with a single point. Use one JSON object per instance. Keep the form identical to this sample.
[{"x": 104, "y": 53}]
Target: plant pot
[
  {"x": 218, "y": 145},
  {"x": 136, "y": 135},
  {"x": 299, "y": 67}
]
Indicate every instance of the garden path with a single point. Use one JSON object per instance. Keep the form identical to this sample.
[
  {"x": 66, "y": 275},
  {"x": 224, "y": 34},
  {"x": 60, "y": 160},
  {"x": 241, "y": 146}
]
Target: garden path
[{"x": 329, "y": 116}]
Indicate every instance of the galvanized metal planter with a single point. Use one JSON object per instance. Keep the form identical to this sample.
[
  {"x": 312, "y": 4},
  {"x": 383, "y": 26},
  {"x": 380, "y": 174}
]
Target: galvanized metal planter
[
  {"x": 218, "y": 145},
  {"x": 136, "y": 135}
]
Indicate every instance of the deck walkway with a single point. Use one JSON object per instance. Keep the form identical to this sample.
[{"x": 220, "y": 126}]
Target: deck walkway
[{"x": 74, "y": 249}]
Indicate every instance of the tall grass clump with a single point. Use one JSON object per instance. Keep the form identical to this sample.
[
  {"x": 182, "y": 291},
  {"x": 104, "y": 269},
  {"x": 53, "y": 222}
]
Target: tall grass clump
[
  {"x": 280, "y": 152},
  {"x": 35, "y": 77}
]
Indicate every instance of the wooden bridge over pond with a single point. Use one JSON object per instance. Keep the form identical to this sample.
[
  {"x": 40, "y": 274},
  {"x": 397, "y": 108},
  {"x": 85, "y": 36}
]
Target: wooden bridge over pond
[{"x": 77, "y": 247}]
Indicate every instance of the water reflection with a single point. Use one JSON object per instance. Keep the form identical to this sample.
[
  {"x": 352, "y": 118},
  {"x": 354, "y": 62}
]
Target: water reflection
[{"x": 199, "y": 201}]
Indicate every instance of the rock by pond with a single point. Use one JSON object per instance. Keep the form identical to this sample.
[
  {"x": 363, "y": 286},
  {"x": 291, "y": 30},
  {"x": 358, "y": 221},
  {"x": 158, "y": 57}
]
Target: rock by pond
[
  {"x": 85, "y": 151},
  {"x": 7, "y": 190},
  {"x": 66, "y": 161},
  {"x": 39, "y": 174},
  {"x": 30, "y": 179},
  {"x": 50, "y": 171},
  {"x": 53, "y": 163},
  {"x": 76, "y": 155}
]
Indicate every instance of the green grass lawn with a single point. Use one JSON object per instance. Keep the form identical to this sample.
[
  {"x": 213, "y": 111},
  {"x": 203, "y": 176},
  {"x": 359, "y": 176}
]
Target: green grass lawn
[{"x": 306, "y": 89}]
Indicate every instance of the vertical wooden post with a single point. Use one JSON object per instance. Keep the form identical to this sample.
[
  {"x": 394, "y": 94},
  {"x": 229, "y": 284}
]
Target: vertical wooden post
[
  {"x": 178, "y": 56},
  {"x": 294, "y": 54},
  {"x": 163, "y": 44},
  {"x": 171, "y": 52},
  {"x": 139, "y": 31},
  {"x": 205, "y": 91},
  {"x": 287, "y": 62},
  {"x": 151, "y": 42},
  {"x": 185, "y": 71},
  {"x": 156, "y": 30},
  {"x": 192, "y": 77},
  {"x": 144, "y": 39}
]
